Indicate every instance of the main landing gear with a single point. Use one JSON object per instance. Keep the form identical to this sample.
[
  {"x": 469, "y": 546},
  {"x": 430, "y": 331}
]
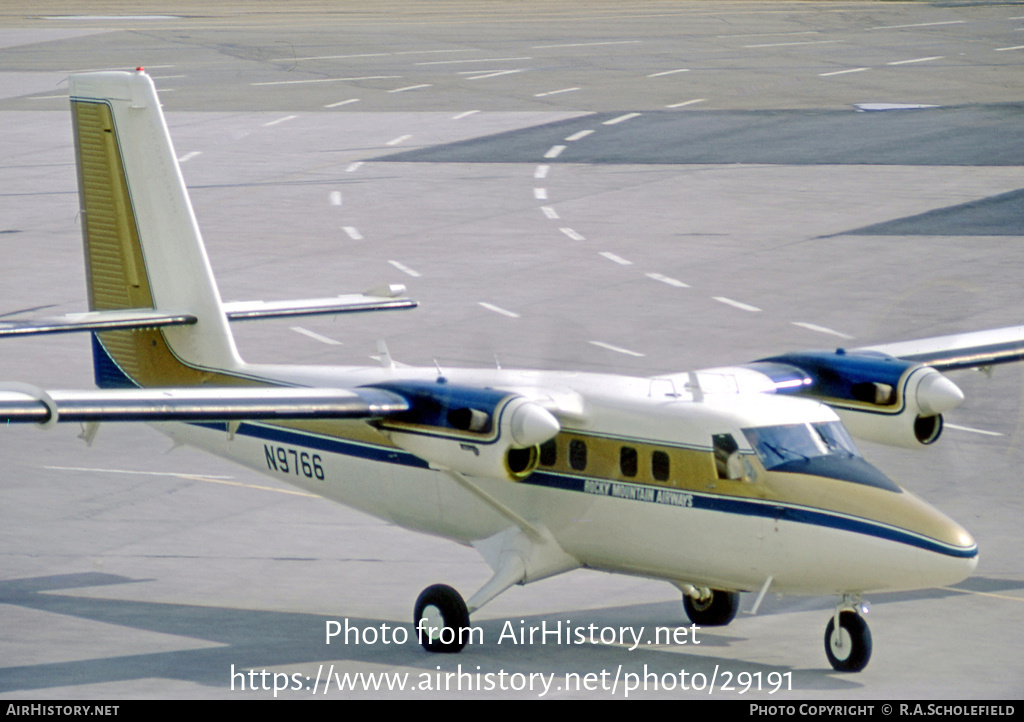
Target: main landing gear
[
  {"x": 713, "y": 608},
  {"x": 441, "y": 619},
  {"x": 847, "y": 638}
]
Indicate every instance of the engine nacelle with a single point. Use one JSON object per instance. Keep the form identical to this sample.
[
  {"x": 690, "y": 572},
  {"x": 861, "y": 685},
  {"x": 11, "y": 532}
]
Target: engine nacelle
[
  {"x": 879, "y": 398},
  {"x": 474, "y": 431}
]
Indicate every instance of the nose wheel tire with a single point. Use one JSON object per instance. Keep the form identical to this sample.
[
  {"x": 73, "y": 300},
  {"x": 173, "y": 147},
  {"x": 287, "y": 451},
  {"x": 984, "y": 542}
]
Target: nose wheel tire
[
  {"x": 441, "y": 620},
  {"x": 848, "y": 647},
  {"x": 716, "y": 610}
]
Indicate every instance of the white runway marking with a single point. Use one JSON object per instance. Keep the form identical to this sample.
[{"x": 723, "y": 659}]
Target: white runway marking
[
  {"x": 280, "y": 120},
  {"x": 554, "y": 92},
  {"x": 189, "y": 156},
  {"x": 498, "y": 309},
  {"x": 554, "y": 151},
  {"x": 405, "y": 269},
  {"x": 353, "y": 233},
  {"x": 209, "y": 478},
  {"x": 342, "y": 102},
  {"x": 325, "y": 80},
  {"x": 687, "y": 102},
  {"x": 737, "y": 304},
  {"x": 843, "y": 72},
  {"x": 784, "y": 45},
  {"x": 352, "y": 167},
  {"x": 916, "y": 60},
  {"x": 468, "y": 113},
  {"x": 617, "y": 349},
  {"x": 668, "y": 72},
  {"x": 399, "y": 139},
  {"x": 972, "y": 430},
  {"x": 549, "y": 212},
  {"x": 667, "y": 279},
  {"x": 572, "y": 234},
  {"x": 411, "y": 87},
  {"x": 335, "y": 198},
  {"x": 315, "y": 336},
  {"x": 587, "y": 45},
  {"x": 578, "y": 135},
  {"x": 1015, "y": 47},
  {"x": 821, "y": 329},
  {"x": 473, "y": 60},
  {"x": 541, "y": 171},
  {"x": 540, "y": 194},
  {"x": 495, "y": 74},
  {"x": 621, "y": 119},
  {"x": 615, "y": 258},
  {"x": 917, "y": 25}
]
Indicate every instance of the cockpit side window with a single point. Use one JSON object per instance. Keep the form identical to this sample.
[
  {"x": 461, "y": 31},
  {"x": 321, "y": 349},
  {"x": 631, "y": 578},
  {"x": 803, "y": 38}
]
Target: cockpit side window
[{"x": 728, "y": 463}]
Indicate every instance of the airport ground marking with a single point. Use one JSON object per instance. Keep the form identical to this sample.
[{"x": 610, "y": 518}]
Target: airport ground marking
[
  {"x": 737, "y": 304},
  {"x": 316, "y": 336},
  {"x": 617, "y": 349},
  {"x": 499, "y": 309}
]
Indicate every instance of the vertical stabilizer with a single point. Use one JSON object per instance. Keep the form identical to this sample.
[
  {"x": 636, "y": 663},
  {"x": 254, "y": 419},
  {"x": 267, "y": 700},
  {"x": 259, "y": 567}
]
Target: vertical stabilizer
[{"x": 143, "y": 248}]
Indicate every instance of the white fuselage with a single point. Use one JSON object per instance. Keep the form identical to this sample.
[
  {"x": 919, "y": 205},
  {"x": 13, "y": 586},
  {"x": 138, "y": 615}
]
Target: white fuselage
[{"x": 799, "y": 531}]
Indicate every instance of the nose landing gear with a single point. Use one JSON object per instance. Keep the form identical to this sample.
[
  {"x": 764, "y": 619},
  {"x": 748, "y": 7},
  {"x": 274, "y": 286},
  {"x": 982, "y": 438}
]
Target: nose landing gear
[{"x": 847, "y": 638}]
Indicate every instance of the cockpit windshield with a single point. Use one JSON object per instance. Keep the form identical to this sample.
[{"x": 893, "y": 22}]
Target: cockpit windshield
[{"x": 778, "y": 445}]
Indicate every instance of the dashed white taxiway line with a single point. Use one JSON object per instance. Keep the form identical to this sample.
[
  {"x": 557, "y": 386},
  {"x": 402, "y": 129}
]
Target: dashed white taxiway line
[
  {"x": 614, "y": 258},
  {"x": 466, "y": 114},
  {"x": 499, "y": 309},
  {"x": 342, "y": 102},
  {"x": 821, "y": 329},
  {"x": 554, "y": 92},
  {"x": 667, "y": 279},
  {"x": 554, "y": 151},
  {"x": 411, "y": 87},
  {"x": 737, "y": 304},
  {"x": 916, "y": 60},
  {"x": 335, "y": 198},
  {"x": 617, "y": 349},
  {"x": 315, "y": 336},
  {"x": 549, "y": 212},
  {"x": 541, "y": 194},
  {"x": 280, "y": 120},
  {"x": 972, "y": 430},
  {"x": 621, "y": 119},
  {"x": 572, "y": 234},
  {"x": 668, "y": 72},
  {"x": 541, "y": 171},
  {"x": 686, "y": 103},
  {"x": 405, "y": 269},
  {"x": 579, "y": 135},
  {"x": 843, "y": 72},
  {"x": 353, "y": 233},
  {"x": 399, "y": 139},
  {"x": 189, "y": 156}
]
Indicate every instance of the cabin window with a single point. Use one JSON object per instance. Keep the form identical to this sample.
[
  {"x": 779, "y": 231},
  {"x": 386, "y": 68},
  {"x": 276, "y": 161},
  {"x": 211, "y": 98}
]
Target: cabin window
[
  {"x": 628, "y": 461},
  {"x": 578, "y": 454},
  {"x": 548, "y": 453},
  {"x": 659, "y": 466}
]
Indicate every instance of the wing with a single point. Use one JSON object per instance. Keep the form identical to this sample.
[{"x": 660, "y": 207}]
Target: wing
[
  {"x": 960, "y": 351},
  {"x": 21, "y": 403},
  {"x": 893, "y": 394}
]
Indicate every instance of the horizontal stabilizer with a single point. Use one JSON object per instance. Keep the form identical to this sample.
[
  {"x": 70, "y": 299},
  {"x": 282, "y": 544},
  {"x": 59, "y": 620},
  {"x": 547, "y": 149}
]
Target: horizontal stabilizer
[
  {"x": 960, "y": 351},
  {"x": 95, "y": 321},
  {"x": 235, "y": 311},
  {"x": 351, "y": 303},
  {"x": 22, "y": 404}
]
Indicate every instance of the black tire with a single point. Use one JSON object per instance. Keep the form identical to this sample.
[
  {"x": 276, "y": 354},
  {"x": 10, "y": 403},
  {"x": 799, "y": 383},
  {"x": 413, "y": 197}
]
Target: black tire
[
  {"x": 850, "y": 650},
  {"x": 716, "y": 611},
  {"x": 452, "y": 632}
]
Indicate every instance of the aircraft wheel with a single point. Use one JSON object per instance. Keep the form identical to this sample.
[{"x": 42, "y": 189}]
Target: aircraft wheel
[
  {"x": 716, "y": 611},
  {"x": 441, "y": 619},
  {"x": 849, "y": 647}
]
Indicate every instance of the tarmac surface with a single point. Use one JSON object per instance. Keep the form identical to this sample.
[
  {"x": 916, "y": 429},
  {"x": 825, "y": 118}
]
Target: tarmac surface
[{"x": 639, "y": 187}]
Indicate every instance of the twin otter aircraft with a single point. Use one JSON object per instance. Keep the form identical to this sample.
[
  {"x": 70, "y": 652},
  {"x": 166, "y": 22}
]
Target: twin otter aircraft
[{"x": 721, "y": 481}]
